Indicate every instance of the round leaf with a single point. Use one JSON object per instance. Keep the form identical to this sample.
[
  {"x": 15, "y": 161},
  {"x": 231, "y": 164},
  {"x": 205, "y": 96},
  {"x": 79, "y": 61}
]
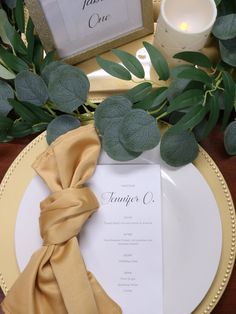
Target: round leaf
[
  {"x": 225, "y": 27},
  {"x": 68, "y": 88},
  {"x": 158, "y": 61},
  {"x": 228, "y": 51},
  {"x": 114, "y": 69},
  {"x": 139, "y": 131},
  {"x": 178, "y": 148},
  {"x": 111, "y": 111},
  {"x": 130, "y": 62},
  {"x": 30, "y": 87},
  {"x": 5, "y": 92},
  {"x": 230, "y": 138},
  {"x": 60, "y": 125},
  {"x": 49, "y": 69},
  {"x": 114, "y": 148}
]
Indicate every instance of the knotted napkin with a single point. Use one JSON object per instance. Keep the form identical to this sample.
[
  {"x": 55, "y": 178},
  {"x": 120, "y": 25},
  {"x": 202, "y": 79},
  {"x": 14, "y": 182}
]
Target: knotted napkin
[{"x": 56, "y": 279}]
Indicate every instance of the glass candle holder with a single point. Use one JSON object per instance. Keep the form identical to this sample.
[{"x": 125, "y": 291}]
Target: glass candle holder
[{"x": 184, "y": 25}]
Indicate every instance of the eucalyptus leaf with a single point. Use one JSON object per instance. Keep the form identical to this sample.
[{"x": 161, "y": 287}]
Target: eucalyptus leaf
[
  {"x": 178, "y": 148},
  {"x": 176, "y": 87},
  {"x": 19, "y": 15},
  {"x": 147, "y": 102},
  {"x": 228, "y": 51},
  {"x": 6, "y": 92},
  {"x": 49, "y": 69},
  {"x": 30, "y": 39},
  {"x": 225, "y": 27},
  {"x": 59, "y": 126},
  {"x": 214, "y": 114},
  {"x": 4, "y": 23},
  {"x": 30, "y": 87},
  {"x": 20, "y": 129},
  {"x": 13, "y": 62},
  {"x": 189, "y": 98},
  {"x": 68, "y": 88},
  {"x": 160, "y": 98},
  {"x": 25, "y": 113},
  {"x": 6, "y": 74},
  {"x": 226, "y": 7},
  {"x": 5, "y": 125},
  {"x": 40, "y": 114},
  {"x": 229, "y": 97},
  {"x": 113, "y": 147},
  {"x": 200, "y": 130},
  {"x": 195, "y": 57},
  {"x": 130, "y": 62},
  {"x": 217, "y": 2},
  {"x": 139, "y": 92},
  {"x": 158, "y": 61},
  {"x": 9, "y": 35},
  {"x": 39, "y": 127},
  {"x": 10, "y": 3},
  {"x": 174, "y": 72},
  {"x": 192, "y": 118},
  {"x": 114, "y": 69},
  {"x": 38, "y": 53},
  {"x": 48, "y": 59},
  {"x": 139, "y": 131},
  {"x": 230, "y": 138},
  {"x": 111, "y": 112},
  {"x": 196, "y": 75}
]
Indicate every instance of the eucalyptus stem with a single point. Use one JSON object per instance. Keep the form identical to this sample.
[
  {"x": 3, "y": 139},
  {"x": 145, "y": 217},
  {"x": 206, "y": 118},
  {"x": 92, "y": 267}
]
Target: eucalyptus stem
[
  {"x": 49, "y": 109},
  {"x": 159, "y": 109},
  {"x": 164, "y": 114},
  {"x": 91, "y": 104}
]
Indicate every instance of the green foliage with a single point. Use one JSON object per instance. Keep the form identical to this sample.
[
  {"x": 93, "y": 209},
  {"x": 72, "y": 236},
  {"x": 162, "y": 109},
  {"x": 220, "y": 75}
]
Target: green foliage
[
  {"x": 158, "y": 61},
  {"x": 68, "y": 88},
  {"x": 114, "y": 69},
  {"x": 19, "y": 15},
  {"x": 111, "y": 112},
  {"x": 139, "y": 131},
  {"x": 139, "y": 92},
  {"x": 196, "y": 75},
  {"x": 30, "y": 87},
  {"x": 178, "y": 147},
  {"x": 194, "y": 57},
  {"x": 229, "y": 138},
  {"x": 114, "y": 148},
  {"x": 225, "y": 27},
  {"x": 6, "y": 92},
  {"x": 40, "y": 93},
  {"x": 130, "y": 62},
  {"x": 61, "y": 125}
]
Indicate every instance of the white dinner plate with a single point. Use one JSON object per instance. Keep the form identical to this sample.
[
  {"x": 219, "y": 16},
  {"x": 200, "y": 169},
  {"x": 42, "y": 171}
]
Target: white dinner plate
[{"x": 192, "y": 232}]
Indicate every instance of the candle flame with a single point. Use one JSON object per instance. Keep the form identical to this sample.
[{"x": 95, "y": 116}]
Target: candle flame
[{"x": 184, "y": 26}]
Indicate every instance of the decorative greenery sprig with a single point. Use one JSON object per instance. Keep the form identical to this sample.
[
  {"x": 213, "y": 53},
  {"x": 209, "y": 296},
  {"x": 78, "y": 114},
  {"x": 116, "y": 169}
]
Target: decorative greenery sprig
[{"x": 38, "y": 93}]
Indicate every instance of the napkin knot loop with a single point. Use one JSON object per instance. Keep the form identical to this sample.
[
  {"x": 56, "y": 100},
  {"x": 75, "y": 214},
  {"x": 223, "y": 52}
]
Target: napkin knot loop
[{"x": 64, "y": 212}]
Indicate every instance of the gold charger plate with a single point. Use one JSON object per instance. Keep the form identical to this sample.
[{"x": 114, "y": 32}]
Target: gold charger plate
[{"x": 20, "y": 174}]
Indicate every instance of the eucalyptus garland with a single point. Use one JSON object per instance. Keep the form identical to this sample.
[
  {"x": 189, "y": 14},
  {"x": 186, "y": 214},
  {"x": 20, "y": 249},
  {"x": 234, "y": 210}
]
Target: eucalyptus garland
[{"x": 38, "y": 93}]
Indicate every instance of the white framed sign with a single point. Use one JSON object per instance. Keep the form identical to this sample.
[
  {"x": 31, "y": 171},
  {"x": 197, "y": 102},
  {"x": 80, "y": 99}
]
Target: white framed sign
[{"x": 80, "y": 29}]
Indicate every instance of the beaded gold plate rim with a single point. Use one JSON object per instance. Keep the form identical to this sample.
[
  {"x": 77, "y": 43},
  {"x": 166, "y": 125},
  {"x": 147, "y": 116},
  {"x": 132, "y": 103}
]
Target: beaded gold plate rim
[{"x": 20, "y": 170}]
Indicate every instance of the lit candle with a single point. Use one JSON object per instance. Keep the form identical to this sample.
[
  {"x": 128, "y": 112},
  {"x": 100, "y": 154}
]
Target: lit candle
[{"x": 184, "y": 25}]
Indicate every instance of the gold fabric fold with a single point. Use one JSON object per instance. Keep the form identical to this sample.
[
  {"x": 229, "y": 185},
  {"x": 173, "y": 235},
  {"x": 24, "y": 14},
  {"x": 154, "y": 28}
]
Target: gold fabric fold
[{"x": 56, "y": 280}]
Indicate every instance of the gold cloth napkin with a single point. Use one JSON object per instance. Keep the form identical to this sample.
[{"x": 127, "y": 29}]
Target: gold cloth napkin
[{"x": 56, "y": 280}]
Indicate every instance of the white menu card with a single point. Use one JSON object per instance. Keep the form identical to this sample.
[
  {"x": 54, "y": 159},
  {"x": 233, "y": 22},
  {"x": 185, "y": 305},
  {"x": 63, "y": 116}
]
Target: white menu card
[{"x": 122, "y": 242}]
